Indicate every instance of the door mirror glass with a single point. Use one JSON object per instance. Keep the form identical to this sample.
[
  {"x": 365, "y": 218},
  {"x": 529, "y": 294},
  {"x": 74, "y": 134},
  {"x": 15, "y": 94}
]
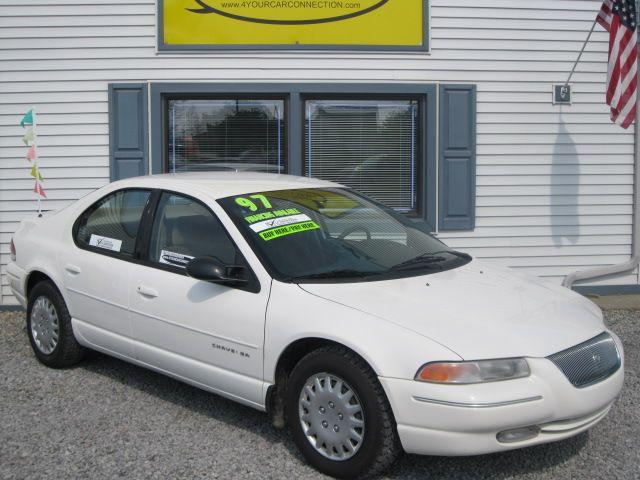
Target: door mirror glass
[{"x": 210, "y": 269}]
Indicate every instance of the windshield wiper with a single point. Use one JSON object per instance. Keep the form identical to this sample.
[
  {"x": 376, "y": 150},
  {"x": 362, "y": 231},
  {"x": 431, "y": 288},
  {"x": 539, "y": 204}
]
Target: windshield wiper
[
  {"x": 429, "y": 259},
  {"x": 341, "y": 273}
]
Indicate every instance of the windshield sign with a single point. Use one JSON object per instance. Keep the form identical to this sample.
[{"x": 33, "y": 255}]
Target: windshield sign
[{"x": 334, "y": 234}]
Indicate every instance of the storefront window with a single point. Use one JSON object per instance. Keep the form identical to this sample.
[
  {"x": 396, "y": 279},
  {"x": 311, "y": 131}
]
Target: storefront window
[
  {"x": 226, "y": 135},
  {"x": 369, "y": 145}
]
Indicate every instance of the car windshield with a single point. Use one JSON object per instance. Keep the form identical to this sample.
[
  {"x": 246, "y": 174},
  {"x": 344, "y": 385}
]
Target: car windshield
[{"x": 335, "y": 234}]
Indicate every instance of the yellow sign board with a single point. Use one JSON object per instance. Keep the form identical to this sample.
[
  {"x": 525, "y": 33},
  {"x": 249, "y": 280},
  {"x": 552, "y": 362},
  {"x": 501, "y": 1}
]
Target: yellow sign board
[{"x": 293, "y": 24}]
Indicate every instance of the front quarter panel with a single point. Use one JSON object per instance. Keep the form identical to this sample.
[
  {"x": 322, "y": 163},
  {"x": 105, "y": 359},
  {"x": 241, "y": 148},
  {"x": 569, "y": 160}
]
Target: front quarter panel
[{"x": 391, "y": 350}]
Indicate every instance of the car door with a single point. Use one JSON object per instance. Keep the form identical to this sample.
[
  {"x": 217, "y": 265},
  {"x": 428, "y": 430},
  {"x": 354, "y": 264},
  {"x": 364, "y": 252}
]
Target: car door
[
  {"x": 206, "y": 333},
  {"x": 97, "y": 269}
]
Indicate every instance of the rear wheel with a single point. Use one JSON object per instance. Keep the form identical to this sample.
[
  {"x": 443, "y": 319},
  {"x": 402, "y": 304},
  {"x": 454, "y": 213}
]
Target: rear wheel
[
  {"x": 340, "y": 416},
  {"x": 49, "y": 327}
]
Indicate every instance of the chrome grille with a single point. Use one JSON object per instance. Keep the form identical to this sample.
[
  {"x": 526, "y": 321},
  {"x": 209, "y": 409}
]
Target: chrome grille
[{"x": 589, "y": 362}]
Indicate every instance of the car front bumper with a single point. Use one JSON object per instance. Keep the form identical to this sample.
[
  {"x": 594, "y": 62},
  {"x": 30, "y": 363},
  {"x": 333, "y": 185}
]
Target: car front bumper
[{"x": 457, "y": 420}]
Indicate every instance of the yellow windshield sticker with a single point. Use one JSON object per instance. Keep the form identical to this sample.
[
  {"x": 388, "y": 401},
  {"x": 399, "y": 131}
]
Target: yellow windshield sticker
[
  {"x": 330, "y": 204},
  {"x": 278, "y": 232},
  {"x": 253, "y": 206}
]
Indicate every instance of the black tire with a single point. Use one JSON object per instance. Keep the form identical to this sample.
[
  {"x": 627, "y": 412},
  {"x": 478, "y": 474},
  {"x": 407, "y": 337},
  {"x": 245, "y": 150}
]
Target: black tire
[
  {"x": 380, "y": 444},
  {"x": 68, "y": 351}
]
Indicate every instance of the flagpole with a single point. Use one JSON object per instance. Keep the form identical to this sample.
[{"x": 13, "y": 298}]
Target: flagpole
[
  {"x": 584, "y": 45},
  {"x": 632, "y": 263},
  {"x": 35, "y": 160}
]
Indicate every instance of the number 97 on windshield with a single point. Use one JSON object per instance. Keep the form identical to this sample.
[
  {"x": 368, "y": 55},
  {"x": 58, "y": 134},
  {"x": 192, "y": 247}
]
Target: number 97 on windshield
[{"x": 253, "y": 205}]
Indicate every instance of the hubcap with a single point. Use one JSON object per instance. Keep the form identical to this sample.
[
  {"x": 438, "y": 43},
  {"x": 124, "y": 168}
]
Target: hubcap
[
  {"x": 45, "y": 328},
  {"x": 331, "y": 416}
]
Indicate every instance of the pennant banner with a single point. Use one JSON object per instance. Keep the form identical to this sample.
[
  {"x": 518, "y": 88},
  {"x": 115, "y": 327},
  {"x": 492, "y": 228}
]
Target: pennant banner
[
  {"x": 29, "y": 137},
  {"x": 31, "y": 153},
  {"x": 27, "y": 119},
  {"x": 39, "y": 190},
  {"x": 35, "y": 172}
]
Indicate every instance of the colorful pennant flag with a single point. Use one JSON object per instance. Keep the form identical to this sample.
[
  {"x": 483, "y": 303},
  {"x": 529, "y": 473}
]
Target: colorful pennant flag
[
  {"x": 35, "y": 172},
  {"x": 38, "y": 189},
  {"x": 29, "y": 139},
  {"x": 29, "y": 136},
  {"x": 27, "y": 119},
  {"x": 31, "y": 153}
]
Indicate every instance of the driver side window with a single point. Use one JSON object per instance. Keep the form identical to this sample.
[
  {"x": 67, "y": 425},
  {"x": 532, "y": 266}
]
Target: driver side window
[{"x": 183, "y": 228}]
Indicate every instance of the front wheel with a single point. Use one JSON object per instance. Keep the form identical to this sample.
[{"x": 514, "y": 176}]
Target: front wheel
[{"x": 339, "y": 415}]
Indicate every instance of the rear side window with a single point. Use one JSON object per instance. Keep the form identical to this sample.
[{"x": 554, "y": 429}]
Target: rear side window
[
  {"x": 112, "y": 223},
  {"x": 184, "y": 229}
]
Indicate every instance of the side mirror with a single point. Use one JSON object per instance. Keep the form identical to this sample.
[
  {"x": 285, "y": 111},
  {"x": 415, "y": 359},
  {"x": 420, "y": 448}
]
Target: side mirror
[{"x": 210, "y": 269}]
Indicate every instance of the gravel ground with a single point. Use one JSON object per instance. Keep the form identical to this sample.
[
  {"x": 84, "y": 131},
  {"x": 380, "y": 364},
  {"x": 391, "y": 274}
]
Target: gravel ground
[{"x": 107, "y": 419}]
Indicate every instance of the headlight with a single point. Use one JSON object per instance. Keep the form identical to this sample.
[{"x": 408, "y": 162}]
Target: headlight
[{"x": 473, "y": 372}]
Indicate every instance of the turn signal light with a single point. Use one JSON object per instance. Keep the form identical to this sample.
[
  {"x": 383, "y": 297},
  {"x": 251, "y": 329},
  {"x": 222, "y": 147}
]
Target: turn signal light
[
  {"x": 12, "y": 249},
  {"x": 446, "y": 372},
  {"x": 473, "y": 372}
]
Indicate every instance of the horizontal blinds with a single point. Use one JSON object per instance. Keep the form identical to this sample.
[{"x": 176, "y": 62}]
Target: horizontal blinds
[
  {"x": 370, "y": 146},
  {"x": 226, "y": 135}
]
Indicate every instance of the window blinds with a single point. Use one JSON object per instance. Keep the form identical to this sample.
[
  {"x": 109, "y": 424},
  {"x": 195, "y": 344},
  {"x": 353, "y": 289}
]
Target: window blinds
[
  {"x": 226, "y": 135},
  {"x": 368, "y": 145}
]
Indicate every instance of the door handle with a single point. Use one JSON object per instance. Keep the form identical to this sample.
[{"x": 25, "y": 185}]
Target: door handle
[
  {"x": 147, "y": 291},
  {"x": 72, "y": 269}
]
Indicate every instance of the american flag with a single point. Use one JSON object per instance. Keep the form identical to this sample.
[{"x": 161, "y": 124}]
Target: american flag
[{"x": 618, "y": 17}]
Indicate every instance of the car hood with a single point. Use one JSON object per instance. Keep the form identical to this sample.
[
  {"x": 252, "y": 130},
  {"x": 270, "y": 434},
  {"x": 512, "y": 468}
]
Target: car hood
[{"x": 479, "y": 310}]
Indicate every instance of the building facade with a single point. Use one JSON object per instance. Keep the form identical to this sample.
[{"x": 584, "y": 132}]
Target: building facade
[{"x": 459, "y": 131}]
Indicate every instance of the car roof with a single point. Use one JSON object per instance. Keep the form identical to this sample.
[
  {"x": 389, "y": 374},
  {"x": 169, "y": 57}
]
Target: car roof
[{"x": 225, "y": 184}]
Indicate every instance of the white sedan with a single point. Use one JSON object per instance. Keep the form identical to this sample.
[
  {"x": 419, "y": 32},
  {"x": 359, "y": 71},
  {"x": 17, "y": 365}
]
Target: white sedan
[{"x": 303, "y": 298}]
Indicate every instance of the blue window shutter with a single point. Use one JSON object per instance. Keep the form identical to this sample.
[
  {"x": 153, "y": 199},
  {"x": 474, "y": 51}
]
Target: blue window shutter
[
  {"x": 457, "y": 162},
  {"x": 128, "y": 127}
]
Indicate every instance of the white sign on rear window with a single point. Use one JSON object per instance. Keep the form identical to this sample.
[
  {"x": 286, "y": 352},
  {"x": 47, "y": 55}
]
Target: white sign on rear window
[
  {"x": 279, "y": 222},
  {"x": 107, "y": 243}
]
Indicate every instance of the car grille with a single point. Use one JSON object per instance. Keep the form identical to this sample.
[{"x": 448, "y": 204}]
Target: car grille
[{"x": 589, "y": 362}]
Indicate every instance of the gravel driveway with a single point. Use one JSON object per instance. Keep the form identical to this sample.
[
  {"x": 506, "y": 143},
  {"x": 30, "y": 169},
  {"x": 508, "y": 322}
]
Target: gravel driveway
[{"x": 107, "y": 419}]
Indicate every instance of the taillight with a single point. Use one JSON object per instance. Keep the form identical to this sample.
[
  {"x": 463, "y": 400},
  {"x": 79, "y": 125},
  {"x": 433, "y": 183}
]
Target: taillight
[{"x": 12, "y": 249}]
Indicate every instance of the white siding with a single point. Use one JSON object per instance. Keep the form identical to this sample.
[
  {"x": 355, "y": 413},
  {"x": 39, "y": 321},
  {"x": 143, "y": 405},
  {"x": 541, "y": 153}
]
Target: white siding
[{"x": 550, "y": 198}]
